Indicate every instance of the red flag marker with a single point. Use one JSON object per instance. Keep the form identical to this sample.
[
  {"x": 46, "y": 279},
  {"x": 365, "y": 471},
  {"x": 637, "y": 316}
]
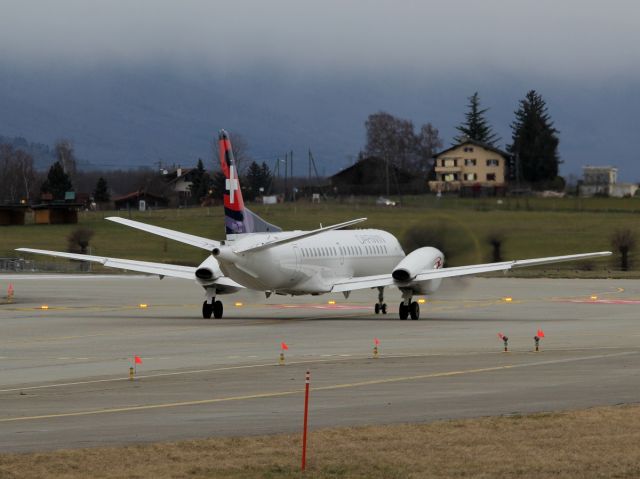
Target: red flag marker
[
  {"x": 284, "y": 346},
  {"x": 376, "y": 341},
  {"x": 137, "y": 359},
  {"x": 540, "y": 333},
  {"x": 501, "y": 336}
]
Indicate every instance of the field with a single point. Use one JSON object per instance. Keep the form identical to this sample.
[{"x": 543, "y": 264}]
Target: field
[
  {"x": 599, "y": 442},
  {"x": 530, "y": 227}
]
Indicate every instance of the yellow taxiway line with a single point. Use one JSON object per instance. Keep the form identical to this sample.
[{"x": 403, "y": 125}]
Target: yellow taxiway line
[{"x": 372, "y": 382}]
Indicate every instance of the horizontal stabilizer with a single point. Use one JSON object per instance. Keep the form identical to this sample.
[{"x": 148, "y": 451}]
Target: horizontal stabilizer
[
  {"x": 299, "y": 236},
  {"x": 197, "y": 241},
  {"x": 171, "y": 270}
]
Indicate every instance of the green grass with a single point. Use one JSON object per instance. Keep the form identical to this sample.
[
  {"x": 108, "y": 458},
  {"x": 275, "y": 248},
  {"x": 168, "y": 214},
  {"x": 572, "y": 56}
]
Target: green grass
[{"x": 546, "y": 227}]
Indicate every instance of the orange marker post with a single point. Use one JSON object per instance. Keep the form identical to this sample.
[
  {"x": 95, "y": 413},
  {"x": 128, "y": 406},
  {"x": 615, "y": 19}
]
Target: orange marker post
[
  {"x": 376, "y": 342},
  {"x": 306, "y": 417},
  {"x": 136, "y": 360},
  {"x": 283, "y": 348},
  {"x": 10, "y": 293},
  {"x": 505, "y": 340}
]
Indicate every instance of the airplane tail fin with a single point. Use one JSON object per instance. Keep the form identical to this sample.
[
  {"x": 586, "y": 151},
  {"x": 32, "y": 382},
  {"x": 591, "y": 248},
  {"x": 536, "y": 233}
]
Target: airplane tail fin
[{"x": 237, "y": 218}]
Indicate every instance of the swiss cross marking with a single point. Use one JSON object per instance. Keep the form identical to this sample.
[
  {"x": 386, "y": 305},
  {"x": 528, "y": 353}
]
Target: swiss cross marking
[{"x": 232, "y": 184}]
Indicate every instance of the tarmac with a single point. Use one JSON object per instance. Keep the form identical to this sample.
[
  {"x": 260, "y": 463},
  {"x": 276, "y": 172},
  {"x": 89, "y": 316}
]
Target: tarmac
[{"x": 64, "y": 371}]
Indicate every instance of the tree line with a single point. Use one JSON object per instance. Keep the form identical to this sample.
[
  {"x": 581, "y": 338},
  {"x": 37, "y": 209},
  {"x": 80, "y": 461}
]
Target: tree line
[{"x": 533, "y": 148}]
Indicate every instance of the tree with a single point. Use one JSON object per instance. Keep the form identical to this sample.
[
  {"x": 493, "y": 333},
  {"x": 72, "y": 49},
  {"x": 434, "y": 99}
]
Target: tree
[
  {"x": 57, "y": 182},
  {"x": 78, "y": 240},
  {"x": 535, "y": 142},
  {"x": 258, "y": 177},
  {"x": 391, "y": 139},
  {"x": 200, "y": 183},
  {"x": 394, "y": 140},
  {"x": 476, "y": 127},
  {"x": 240, "y": 151},
  {"x": 429, "y": 142},
  {"x": 623, "y": 240},
  {"x": 17, "y": 174},
  {"x": 101, "y": 193},
  {"x": 66, "y": 157}
]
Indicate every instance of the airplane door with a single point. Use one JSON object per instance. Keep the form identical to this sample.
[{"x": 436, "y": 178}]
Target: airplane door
[{"x": 340, "y": 253}]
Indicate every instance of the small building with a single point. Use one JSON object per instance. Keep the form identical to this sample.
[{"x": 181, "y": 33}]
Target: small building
[
  {"x": 140, "y": 200},
  {"x": 55, "y": 213},
  {"x": 12, "y": 214},
  {"x": 603, "y": 181},
  {"x": 470, "y": 168},
  {"x": 180, "y": 181},
  {"x": 372, "y": 176}
]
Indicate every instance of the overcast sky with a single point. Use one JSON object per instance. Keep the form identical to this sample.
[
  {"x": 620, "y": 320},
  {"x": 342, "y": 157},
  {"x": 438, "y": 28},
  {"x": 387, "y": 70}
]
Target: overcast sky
[{"x": 564, "y": 39}]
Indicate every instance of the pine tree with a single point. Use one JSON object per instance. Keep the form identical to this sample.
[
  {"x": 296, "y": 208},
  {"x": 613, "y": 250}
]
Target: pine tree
[
  {"x": 200, "y": 183},
  {"x": 57, "y": 182},
  {"x": 266, "y": 176},
  {"x": 535, "y": 142},
  {"x": 476, "y": 127},
  {"x": 101, "y": 193}
]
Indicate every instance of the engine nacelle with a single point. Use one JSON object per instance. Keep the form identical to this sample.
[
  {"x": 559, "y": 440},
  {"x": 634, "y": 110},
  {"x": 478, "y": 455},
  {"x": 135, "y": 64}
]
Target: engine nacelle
[
  {"x": 419, "y": 261},
  {"x": 208, "y": 271}
]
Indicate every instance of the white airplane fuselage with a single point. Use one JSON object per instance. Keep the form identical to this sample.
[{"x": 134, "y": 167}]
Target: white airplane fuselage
[{"x": 309, "y": 265}]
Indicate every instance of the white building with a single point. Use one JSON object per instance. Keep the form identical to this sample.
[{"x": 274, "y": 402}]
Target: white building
[{"x": 603, "y": 180}]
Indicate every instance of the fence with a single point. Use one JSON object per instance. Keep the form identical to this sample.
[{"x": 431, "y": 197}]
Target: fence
[{"x": 19, "y": 265}]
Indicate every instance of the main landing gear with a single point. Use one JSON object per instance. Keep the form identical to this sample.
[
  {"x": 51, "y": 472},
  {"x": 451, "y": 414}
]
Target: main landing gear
[
  {"x": 381, "y": 306},
  {"x": 409, "y": 307},
  {"x": 211, "y": 306},
  {"x": 214, "y": 308}
]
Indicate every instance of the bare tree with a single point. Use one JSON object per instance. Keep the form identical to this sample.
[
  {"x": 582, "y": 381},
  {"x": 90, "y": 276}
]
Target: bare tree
[
  {"x": 624, "y": 241},
  {"x": 429, "y": 142},
  {"x": 391, "y": 139},
  {"x": 66, "y": 157},
  {"x": 26, "y": 173},
  {"x": 78, "y": 240},
  {"x": 240, "y": 152},
  {"x": 17, "y": 175},
  {"x": 495, "y": 240},
  {"x": 394, "y": 140}
]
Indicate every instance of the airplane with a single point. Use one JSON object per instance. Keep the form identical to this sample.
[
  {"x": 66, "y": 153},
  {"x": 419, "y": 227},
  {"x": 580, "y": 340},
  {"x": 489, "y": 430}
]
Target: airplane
[{"x": 260, "y": 256}]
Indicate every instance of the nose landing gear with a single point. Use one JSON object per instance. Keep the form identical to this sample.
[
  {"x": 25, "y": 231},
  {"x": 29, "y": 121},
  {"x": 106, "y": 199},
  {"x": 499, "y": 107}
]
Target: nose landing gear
[{"x": 381, "y": 306}]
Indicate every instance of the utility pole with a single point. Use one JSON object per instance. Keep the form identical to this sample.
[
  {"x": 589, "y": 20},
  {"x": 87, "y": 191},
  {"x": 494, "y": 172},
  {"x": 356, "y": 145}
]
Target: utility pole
[{"x": 286, "y": 169}]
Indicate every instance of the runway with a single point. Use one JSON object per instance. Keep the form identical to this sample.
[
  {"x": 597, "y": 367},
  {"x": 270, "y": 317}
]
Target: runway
[{"x": 64, "y": 370}]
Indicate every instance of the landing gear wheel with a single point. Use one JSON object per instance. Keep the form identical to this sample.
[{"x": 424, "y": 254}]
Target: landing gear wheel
[
  {"x": 383, "y": 308},
  {"x": 207, "y": 309},
  {"x": 217, "y": 309},
  {"x": 414, "y": 310},
  {"x": 377, "y": 308},
  {"x": 404, "y": 311}
]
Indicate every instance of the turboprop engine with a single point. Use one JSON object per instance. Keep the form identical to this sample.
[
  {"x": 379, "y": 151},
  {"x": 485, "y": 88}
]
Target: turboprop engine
[
  {"x": 419, "y": 261},
  {"x": 208, "y": 271}
]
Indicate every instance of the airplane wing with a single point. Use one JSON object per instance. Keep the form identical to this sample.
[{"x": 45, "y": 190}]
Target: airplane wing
[
  {"x": 364, "y": 282},
  {"x": 199, "y": 242},
  {"x": 298, "y": 236}
]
